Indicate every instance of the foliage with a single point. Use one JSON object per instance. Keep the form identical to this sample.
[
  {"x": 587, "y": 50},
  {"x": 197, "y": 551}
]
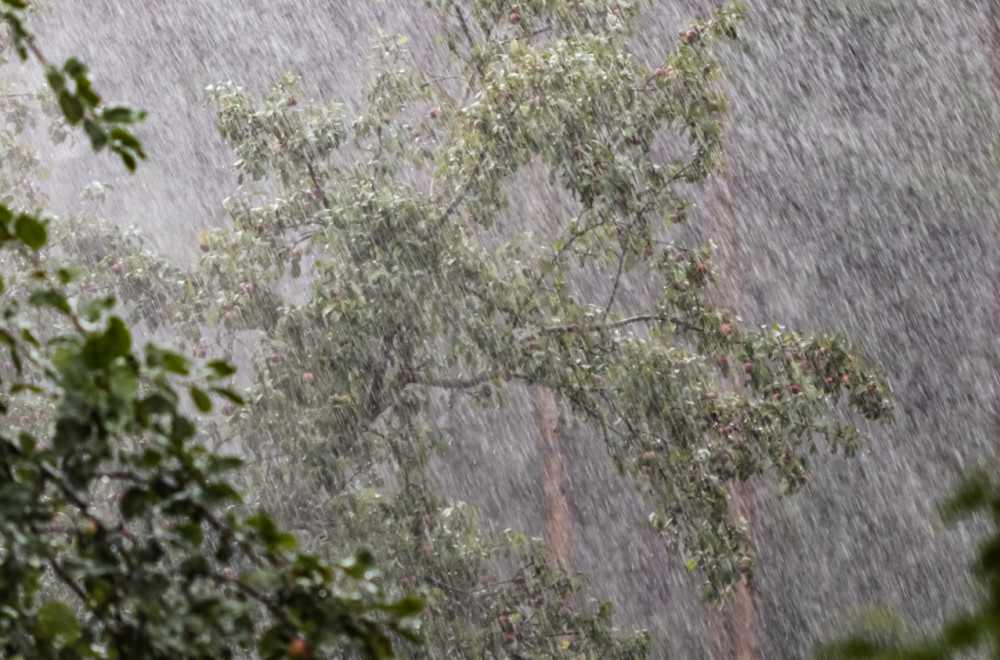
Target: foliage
[
  {"x": 106, "y": 126},
  {"x": 377, "y": 271},
  {"x": 401, "y": 222},
  {"x": 969, "y": 633},
  {"x": 122, "y": 537}
]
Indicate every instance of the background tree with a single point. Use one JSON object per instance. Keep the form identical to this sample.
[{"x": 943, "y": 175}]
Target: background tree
[{"x": 418, "y": 298}]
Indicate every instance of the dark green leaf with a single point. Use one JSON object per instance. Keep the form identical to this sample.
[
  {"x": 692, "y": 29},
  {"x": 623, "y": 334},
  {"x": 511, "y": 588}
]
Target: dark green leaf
[
  {"x": 101, "y": 349},
  {"x": 50, "y": 298},
  {"x": 201, "y": 400},
  {"x": 71, "y": 107},
  {"x": 31, "y": 231},
  {"x": 220, "y": 369},
  {"x": 229, "y": 394},
  {"x": 135, "y": 502}
]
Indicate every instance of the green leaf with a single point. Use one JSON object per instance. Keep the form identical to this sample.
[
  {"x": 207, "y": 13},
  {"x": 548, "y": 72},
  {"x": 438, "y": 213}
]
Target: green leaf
[
  {"x": 31, "y": 231},
  {"x": 120, "y": 114},
  {"x": 158, "y": 357},
  {"x": 227, "y": 393},
  {"x": 49, "y": 298},
  {"x": 128, "y": 160},
  {"x": 100, "y": 350},
  {"x": 98, "y": 136},
  {"x": 57, "y": 81},
  {"x": 57, "y": 624},
  {"x": 406, "y": 606},
  {"x": 135, "y": 502},
  {"x": 68, "y": 274},
  {"x": 201, "y": 400},
  {"x": 75, "y": 68},
  {"x": 220, "y": 369},
  {"x": 71, "y": 107}
]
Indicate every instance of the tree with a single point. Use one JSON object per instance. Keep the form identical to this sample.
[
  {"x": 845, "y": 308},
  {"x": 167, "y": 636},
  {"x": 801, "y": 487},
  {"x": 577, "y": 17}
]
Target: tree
[
  {"x": 398, "y": 223},
  {"x": 121, "y": 536}
]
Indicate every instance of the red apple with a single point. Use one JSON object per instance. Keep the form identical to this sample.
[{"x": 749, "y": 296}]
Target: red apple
[
  {"x": 514, "y": 18},
  {"x": 434, "y": 112},
  {"x": 725, "y": 329},
  {"x": 299, "y": 649},
  {"x": 308, "y": 378},
  {"x": 116, "y": 269}
]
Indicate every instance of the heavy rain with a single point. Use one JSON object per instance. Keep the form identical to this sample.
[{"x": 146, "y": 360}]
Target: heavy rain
[{"x": 561, "y": 329}]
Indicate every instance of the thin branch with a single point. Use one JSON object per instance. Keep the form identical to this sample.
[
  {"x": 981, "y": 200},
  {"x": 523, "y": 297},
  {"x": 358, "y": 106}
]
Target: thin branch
[
  {"x": 632, "y": 320},
  {"x": 463, "y": 193},
  {"x": 614, "y": 288},
  {"x": 316, "y": 186}
]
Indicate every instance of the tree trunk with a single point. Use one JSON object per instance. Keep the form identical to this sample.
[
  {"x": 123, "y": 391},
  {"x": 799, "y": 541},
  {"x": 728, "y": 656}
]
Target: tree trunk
[{"x": 556, "y": 506}]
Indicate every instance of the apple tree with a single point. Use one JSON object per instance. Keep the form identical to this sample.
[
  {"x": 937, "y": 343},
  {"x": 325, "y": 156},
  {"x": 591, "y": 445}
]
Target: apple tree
[{"x": 373, "y": 264}]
